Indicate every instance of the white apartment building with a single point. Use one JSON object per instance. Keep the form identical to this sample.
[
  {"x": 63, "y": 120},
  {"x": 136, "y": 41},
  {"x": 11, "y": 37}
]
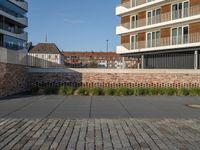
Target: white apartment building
[{"x": 162, "y": 33}]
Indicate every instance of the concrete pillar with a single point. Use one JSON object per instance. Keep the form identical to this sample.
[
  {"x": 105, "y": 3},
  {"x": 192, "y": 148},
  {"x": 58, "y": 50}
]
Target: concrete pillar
[
  {"x": 196, "y": 60},
  {"x": 142, "y": 61},
  {"x": 123, "y": 63}
]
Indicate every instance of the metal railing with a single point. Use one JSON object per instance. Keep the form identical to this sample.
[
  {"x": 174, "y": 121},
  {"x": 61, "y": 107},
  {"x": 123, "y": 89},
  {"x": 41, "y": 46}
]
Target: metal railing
[
  {"x": 192, "y": 11},
  {"x": 167, "y": 41},
  {"x": 134, "y": 3}
]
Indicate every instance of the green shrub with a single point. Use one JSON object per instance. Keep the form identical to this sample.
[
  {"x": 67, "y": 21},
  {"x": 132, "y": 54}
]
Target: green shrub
[
  {"x": 65, "y": 90},
  {"x": 83, "y": 91},
  {"x": 161, "y": 91},
  {"x": 124, "y": 92},
  {"x": 96, "y": 91},
  {"x": 194, "y": 92},
  {"x": 109, "y": 91},
  {"x": 183, "y": 92},
  {"x": 50, "y": 90},
  {"x": 34, "y": 90},
  {"x": 153, "y": 91},
  {"x": 170, "y": 91},
  {"x": 140, "y": 91}
]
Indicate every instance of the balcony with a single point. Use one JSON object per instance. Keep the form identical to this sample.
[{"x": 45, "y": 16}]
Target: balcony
[
  {"x": 134, "y": 5},
  {"x": 157, "y": 21},
  {"x": 17, "y": 33},
  {"x": 191, "y": 40},
  {"x": 14, "y": 16},
  {"x": 20, "y": 3}
]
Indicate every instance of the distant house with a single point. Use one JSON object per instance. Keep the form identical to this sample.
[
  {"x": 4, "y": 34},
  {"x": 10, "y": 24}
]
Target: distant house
[
  {"x": 45, "y": 55},
  {"x": 98, "y": 60}
]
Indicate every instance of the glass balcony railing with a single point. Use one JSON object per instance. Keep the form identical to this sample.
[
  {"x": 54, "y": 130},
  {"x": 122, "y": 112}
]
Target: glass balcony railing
[
  {"x": 134, "y": 3},
  {"x": 160, "y": 42},
  {"x": 169, "y": 16},
  {"x": 11, "y": 29},
  {"x": 11, "y": 46},
  {"x": 12, "y": 12}
]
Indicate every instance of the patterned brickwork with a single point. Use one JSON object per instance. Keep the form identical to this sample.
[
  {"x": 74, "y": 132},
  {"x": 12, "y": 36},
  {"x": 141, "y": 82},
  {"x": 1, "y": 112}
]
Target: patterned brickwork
[
  {"x": 13, "y": 79},
  {"x": 115, "y": 80}
]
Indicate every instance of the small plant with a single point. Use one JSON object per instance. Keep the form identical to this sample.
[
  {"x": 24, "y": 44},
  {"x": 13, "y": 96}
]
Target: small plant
[
  {"x": 170, "y": 91},
  {"x": 96, "y": 91},
  {"x": 194, "y": 92},
  {"x": 183, "y": 92},
  {"x": 83, "y": 91},
  {"x": 109, "y": 91},
  {"x": 50, "y": 90},
  {"x": 153, "y": 91},
  {"x": 34, "y": 90},
  {"x": 66, "y": 90},
  {"x": 124, "y": 92},
  {"x": 140, "y": 91}
]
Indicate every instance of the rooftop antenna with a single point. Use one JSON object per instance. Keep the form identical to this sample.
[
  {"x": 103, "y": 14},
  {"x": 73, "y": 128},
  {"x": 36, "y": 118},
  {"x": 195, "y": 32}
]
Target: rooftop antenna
[{"x": 46, "y": 38}]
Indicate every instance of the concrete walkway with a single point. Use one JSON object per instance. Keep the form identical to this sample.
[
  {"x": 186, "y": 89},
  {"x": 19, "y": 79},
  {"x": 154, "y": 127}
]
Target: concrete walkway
[
  {"x": 99, "y": 123},
  {"x": 80, "y": 107}
]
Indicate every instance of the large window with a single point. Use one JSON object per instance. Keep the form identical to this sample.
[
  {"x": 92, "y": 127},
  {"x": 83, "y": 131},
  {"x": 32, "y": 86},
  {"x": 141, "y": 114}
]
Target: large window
[
  {"x": 153, "y": 16},
  {"x": 134, "y": 42},
  {"x": 180, "y": 10},
  {"x": 180, "y": 35},
  {"x": 153, "y": 39},
  {"x": 134, "y": 3},
  {"x": 134, "y": 21}
]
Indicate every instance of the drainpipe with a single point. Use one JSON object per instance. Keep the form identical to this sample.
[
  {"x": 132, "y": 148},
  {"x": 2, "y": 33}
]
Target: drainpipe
[
  {"x": 196, "y": 60},
  {"x": 142, "y": 61}
]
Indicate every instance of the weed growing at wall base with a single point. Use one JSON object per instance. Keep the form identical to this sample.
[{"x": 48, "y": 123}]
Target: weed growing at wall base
[{"x": 66, "y": 90}]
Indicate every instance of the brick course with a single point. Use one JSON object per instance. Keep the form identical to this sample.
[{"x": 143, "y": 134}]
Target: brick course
[{"x": 116, "y": 79}]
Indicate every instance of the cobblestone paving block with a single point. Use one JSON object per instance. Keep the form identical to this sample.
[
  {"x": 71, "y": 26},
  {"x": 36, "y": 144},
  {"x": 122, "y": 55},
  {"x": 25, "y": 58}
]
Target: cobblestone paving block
[{"x": 99, "y": 134}]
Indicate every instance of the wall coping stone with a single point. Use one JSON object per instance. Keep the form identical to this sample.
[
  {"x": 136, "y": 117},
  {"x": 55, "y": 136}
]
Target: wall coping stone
[{"x": 106, "y": 71}]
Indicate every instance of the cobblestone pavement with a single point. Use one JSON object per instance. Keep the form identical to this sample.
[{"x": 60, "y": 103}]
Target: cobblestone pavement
[{"x": 108, "y": 134}]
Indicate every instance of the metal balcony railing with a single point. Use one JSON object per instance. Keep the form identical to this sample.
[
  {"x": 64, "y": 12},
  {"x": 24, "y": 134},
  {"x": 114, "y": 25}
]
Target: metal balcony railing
[
  {"x": 167, "y": 41},
  {"x": 169, "y": 16}
]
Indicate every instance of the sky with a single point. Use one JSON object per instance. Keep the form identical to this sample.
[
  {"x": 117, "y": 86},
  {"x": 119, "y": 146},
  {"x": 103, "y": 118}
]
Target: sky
[{"x": 74, "y": 25}]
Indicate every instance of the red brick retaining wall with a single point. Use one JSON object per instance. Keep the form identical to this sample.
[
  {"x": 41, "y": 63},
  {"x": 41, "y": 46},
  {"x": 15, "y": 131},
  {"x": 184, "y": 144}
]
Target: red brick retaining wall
[
  {"x": 115, "y": 78},
  {"x": 13, "y": 79}
]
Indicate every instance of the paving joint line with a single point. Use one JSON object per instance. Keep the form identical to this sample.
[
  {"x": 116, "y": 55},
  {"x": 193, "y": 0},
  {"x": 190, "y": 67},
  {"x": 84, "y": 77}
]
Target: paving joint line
[
  {"x": 91, "y": 102},
  {"x": 54, "y": 109},
  {"x": 123, "y": 106},
  {"x": 21, "y": 107}
]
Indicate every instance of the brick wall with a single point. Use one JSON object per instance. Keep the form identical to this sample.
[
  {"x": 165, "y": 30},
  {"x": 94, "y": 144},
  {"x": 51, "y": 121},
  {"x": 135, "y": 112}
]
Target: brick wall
[
  {"x": 13, "y": 79},
  {"x": 115, "y": 78}
]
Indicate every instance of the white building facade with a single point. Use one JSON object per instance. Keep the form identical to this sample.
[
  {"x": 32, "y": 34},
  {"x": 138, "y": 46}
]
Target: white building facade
[{"x": 162, "y": 33}]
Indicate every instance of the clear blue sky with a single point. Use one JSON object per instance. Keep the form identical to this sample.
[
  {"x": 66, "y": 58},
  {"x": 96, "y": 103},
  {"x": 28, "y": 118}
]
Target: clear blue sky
[{"x": 74, "y": 25}]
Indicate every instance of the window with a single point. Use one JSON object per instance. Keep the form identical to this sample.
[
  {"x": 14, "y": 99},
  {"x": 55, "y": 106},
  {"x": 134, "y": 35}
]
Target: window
[
  {"x": 134, "y": 42},
  {"x": 180, "y": 35},
  {"x": 153, "y": 39},
  {"x": 153, "y": 16},
  {"x": 180, "y": 10},
  {"x": 49, "y": 56},
  {"x": 134, "y": 21},
  {"x": 134, "y": 3},
  {"x": 150, "y": 0}
]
